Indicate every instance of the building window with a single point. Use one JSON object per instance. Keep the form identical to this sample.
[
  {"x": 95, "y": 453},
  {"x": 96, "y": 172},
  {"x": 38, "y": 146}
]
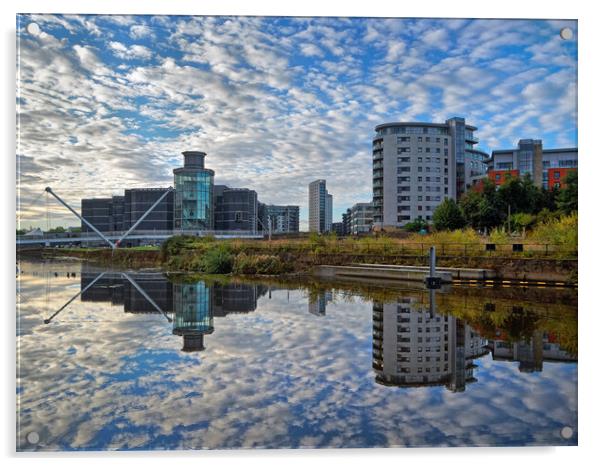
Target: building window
[
  {"x": 428, "y": 149},
  {"x": 419, "y": 138},
  {"x": 556, "y": 175},
  {"x": 420, "y": 149},
  {"x": 419, "y": 159}
]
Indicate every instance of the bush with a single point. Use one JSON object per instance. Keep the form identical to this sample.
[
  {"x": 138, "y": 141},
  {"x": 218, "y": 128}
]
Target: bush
[
  {"x": 217, "y": 260},
  {"x": 416, "y": 226},
  {"x": 259, "y": 264},
  {"x": 560, "y": 232},
  {"x": 448, "y": 216},
  {"x": 522, "y": 221}
]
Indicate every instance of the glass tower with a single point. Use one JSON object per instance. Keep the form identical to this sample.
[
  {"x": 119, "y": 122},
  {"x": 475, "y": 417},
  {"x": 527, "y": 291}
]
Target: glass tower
[{"x": 194, "y": 193}]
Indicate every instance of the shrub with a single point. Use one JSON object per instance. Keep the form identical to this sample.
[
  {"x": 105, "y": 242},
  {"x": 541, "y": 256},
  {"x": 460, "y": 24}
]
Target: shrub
[
  {"x": 217, "y": 260},
  {"x": 416, "y": 226},
  {"x": 522, "y": 221},
  {"x": 560, "y": 232},
  {"x": 259, "y": 264},
  {"x": 448, "y": 216}
]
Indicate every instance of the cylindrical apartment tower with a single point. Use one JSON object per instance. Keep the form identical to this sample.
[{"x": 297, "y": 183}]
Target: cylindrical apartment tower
[{"x": 194, "y": 193}]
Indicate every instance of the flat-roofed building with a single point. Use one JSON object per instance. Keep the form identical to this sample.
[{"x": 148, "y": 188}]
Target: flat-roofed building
[
  {"x": 417, "y": 165},
  {"x": 547, "y": 167}
]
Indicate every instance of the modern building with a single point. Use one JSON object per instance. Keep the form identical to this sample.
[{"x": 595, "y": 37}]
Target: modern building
[
  {"x": 328, "y": 213},
  {"x": 347, "y": 222},
  {"x": 193, "y": 208},
  {"x": 283, "y": 218},
  {"x": 548, "y": 168},
  {"x": 137, "y": 202},
  {"x": 417, "y": 165},
  {"x": 236, "y": 209},
  {"x": 98, "y": 212},
  {"x": 320, "y": 207},
  {"x": 361, "y": 217},
  {"x": 337, "y": 228},
  {"x": 413, "y": 346}
]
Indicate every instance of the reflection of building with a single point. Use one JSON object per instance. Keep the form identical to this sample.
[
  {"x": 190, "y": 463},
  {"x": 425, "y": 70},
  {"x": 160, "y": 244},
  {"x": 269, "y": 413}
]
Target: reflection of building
[
  {"x": 193, "y": 314},
  {"x": 317, "y": 304},
  {"x": 531, "y": 354},
  {"x": 413, "y": 346},
  {"x": 234, "y": 298},
  {"x": 194, "y": 305}
]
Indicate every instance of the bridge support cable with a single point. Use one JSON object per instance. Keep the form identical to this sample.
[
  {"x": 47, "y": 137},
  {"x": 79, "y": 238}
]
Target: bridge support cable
[
  {"x": 139, "y": 221},
  {"x": 146, "y": 296},
  {"x": 50, "y": 191},
  {"x": 47, "y": 321}
]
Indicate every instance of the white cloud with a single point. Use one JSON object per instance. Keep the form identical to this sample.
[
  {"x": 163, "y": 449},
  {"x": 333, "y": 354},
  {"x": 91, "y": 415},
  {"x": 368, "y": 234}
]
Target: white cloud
[
  {"x": 139, "y": 31},
  {"x": 130, "y": 53}
]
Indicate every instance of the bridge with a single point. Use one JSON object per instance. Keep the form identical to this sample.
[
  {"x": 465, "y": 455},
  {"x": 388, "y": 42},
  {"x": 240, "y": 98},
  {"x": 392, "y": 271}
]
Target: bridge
[{"x": 116, "y": 239}]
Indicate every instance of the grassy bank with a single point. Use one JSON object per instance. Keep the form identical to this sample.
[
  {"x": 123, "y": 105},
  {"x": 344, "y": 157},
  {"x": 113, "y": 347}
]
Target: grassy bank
[{"x": 549, "y": 250}]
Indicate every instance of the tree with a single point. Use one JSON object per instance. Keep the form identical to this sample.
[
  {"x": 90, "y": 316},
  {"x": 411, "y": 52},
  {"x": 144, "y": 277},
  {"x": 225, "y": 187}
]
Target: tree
[
  {"x": 567, "y": 197},
  {"x": 416, "y": 225},
  {"x": 448, "y": 216},
  {"x": 482, "y": 209}
]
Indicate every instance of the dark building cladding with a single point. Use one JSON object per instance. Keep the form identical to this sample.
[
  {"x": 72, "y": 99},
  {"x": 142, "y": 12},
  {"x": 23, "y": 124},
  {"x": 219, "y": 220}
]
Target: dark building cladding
[
  {"x": 235, "y": 208},
  {"x": 120, "y": 213},
  {"x": 138, "y": 201}
]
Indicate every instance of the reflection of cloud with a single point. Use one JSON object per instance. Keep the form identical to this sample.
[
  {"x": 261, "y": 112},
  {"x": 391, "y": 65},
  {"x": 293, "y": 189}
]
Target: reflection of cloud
[{"x": 98, "y": 378}]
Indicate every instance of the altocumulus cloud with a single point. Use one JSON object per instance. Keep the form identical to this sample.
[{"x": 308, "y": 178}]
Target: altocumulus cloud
[{"x": 275, "y": 102}]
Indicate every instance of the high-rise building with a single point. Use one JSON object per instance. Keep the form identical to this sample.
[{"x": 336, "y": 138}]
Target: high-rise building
[
  {"x": 193, "y": 209},
  {"x": 548, "y": 168},
  {"x": 328, "y": 213},
  {"x": 283, "y": 218},
  {"x": 320, "y": 207},
  {"x": 417, "y": 165}
]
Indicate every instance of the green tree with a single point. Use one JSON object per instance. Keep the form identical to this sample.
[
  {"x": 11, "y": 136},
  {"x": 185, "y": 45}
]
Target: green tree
[
  {"x": 482, "y": 209},
  {"x": 567, "y": 197},
  {"x": 448, "y": 216},
  {"x": 416, "y": 225}
]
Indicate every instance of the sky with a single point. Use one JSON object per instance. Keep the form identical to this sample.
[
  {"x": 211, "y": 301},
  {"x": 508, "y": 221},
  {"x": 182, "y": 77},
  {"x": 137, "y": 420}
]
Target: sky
[{"x": 106, "y": 103}]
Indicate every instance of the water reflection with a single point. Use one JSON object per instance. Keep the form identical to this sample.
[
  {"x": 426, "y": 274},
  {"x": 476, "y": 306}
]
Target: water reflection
[
  {"x": 193, "y": 305},
  {"x": 119, "y": 364},
  {"x": 414, "y": 345}
]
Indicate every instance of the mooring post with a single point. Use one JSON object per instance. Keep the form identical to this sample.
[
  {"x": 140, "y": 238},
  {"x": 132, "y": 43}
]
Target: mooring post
[{"x": 432, "y": 281}]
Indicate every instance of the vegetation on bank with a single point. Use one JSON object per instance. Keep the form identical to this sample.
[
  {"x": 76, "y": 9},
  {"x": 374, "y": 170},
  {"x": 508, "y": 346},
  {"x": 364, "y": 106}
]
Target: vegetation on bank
[{"x": 518, "y": 205}]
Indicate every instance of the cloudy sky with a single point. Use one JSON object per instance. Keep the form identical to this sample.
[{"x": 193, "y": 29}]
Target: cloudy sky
[{"x": 109, "y": 102}]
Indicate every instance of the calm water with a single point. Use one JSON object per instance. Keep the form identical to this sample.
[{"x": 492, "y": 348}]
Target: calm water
[{"x": 138, "y": 361}]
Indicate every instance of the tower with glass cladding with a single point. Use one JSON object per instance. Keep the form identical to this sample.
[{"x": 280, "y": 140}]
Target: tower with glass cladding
[{"x": 193, "y": 209}]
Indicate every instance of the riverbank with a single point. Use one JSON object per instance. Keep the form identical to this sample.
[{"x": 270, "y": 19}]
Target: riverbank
[{"x": 532, "y": 262}]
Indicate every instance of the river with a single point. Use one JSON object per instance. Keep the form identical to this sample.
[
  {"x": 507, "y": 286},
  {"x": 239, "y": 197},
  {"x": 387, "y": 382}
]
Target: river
[{"x": 142, "y": 361}]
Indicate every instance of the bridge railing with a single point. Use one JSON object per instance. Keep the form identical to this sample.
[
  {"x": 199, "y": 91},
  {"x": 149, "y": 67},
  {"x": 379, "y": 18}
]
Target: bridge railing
[{"x": 141, "y": 233}]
